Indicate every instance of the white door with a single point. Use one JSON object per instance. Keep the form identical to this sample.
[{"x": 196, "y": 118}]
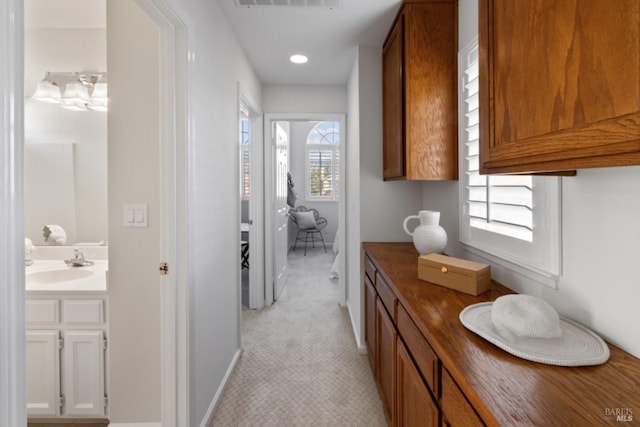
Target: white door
[
  {"x": 43, "y": 372},
  {"x": 83, "y": 373},
  {"x": 280, "y": 210}
]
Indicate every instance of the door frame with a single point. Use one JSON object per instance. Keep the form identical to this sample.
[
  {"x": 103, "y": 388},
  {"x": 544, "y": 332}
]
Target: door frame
[
  {"x": 174, "y": 190},
  {"x": 13, "y": 410},
  {"x": 256, "y": 204},
  {"x": 269, "y": 119}
]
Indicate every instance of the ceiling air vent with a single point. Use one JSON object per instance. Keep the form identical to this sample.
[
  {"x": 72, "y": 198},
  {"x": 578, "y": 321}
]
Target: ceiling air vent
[{"x": 294, "y": 3}]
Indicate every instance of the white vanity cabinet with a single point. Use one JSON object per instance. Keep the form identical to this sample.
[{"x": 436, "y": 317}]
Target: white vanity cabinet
[
  {"x": 43, "y": 372},
  {"x": 66, "y": 355}
]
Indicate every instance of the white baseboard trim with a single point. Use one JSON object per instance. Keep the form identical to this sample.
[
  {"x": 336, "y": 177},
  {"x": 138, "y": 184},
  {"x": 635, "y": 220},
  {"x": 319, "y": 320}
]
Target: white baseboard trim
[
  {"x": 362, "y": 348},
  {"x": 135, "y": 424},
  {"x": 208, "y": 417}
]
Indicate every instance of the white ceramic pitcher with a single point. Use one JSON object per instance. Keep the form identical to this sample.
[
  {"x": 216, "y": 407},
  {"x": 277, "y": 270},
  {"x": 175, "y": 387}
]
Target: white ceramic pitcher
[{"x": 429, "y": 236}]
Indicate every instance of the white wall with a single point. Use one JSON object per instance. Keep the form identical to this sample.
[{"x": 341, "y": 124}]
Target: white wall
[
  {"x": 599, "y": 286},
  {"x": 217, "y": 64},
  {"x": 297, "y": 167},
  {"x": 134, "y": 293},
  {"x": 383, "y": 205},
  {"x": 304, "y": 99},
  {"x": 62, "y": 50}
]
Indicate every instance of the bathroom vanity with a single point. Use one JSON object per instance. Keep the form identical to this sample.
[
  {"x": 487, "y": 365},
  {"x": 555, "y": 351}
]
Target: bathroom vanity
[{"x": 66, "y": 342}]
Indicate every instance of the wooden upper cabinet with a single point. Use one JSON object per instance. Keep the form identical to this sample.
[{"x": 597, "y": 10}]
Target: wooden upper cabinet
[
  {"x": 559, "y": 84},
  {"x": 420, "y": 108},
  {"x": 393, "y": 155}
]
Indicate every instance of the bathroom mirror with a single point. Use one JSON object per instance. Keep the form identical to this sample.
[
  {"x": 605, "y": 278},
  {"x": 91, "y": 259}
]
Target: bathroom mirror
[{"x": 65, "y": 151}]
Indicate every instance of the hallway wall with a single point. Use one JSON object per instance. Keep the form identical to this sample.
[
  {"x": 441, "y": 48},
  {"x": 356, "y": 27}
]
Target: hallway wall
[
  {"x": 304, "y": 99},
  {"x": 217, "y": 66}
]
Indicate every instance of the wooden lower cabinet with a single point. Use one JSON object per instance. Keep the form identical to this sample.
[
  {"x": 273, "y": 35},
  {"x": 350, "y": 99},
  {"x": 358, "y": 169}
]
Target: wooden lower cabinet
[
  {"x": 386, "y": 361},
  {"x": 414, "y": 405},
  {"x": 432, "y": 371},
  {"x": 370, "y": 321},
  {"x": 455, "y": 407}
]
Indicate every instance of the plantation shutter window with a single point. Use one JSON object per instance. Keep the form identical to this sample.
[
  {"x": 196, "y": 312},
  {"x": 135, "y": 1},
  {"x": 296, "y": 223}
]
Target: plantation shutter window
[
  {"x": 321, "y": 173},
  {"x": 245, "y": 159},
  {"x": 512, "y": 220},
  {"x": 501, "y": 204},
  {"x": 323, "y": 162}
]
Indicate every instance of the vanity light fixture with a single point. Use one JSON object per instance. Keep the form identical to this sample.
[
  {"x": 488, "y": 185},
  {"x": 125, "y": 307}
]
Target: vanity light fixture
[
  {"x": 48, "y": 91},
  {"x": 298, "y": 59},
  {"x": 75, "y": 94},
  {"x": 83, "y": 90},
  {"x": 99, "y": 98}
]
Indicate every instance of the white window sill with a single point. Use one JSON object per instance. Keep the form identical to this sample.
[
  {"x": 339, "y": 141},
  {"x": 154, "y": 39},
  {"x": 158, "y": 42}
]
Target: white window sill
[{"x": 513, "y": 265}]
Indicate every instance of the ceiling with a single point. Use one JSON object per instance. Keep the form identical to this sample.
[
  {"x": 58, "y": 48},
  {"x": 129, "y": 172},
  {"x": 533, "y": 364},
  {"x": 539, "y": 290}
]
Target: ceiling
[
  {"x": 328, "y": 36},
  {"x": 268, "y": 34}
]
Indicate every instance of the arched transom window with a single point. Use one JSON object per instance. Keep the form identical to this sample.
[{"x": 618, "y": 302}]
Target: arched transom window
[{"x": 323, "y": 161}]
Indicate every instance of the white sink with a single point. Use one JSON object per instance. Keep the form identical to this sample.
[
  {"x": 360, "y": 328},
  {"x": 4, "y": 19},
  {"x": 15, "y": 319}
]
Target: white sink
[
  {"x": 55, "y": 276},
  {"x": 45, "y": 275}
]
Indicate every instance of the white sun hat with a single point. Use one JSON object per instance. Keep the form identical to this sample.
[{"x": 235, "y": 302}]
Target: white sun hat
[{"x": 531, "y": 329}]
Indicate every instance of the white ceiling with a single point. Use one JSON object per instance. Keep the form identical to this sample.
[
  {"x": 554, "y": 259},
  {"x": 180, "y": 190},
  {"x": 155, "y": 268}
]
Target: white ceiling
[{"x": 270, "y": 34}]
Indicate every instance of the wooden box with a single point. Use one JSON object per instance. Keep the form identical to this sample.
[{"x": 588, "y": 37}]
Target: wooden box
[{"x": 455, "y": 273}]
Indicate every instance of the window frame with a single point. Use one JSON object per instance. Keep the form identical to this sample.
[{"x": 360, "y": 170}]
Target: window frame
[
  {"x": 245, "y": 158},
  {"x": 541, "y": 259},
  {"x": 335, "y": 166}
]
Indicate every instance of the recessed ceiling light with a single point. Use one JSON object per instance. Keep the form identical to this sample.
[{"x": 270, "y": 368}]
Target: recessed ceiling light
[{"x": 298, "y": 59}]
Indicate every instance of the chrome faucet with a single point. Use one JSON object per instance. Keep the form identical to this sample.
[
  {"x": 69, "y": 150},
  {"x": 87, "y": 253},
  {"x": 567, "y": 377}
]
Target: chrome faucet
[{"x": 78, "y": 259}]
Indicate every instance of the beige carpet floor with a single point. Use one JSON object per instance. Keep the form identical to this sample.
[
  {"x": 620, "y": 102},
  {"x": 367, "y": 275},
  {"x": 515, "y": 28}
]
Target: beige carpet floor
[{"x": 300, "y": 365}]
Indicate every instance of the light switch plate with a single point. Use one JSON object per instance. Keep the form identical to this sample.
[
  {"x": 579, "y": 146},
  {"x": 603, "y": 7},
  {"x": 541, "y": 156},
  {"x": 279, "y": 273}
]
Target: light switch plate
[{"x": 136, "y": 215}]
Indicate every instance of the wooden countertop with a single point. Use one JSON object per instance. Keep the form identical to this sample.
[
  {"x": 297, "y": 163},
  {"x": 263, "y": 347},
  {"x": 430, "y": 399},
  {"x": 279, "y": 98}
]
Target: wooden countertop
[{"x": 504, "y": 389}]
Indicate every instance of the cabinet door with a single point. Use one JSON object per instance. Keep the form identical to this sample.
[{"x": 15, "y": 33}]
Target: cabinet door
[
  {"x": 83, "y": 373},
  {"x": 414, "y": 406},
  {"x": 431, "y": 90},
  {"x": 370, "y": 322},
  {"x": 386, "y": 361},
  {"x": 43, "y": 372},
  {"x": 457, "y": 411},
  {"x": 559, "y": 84},
  {"x": 393, "y": 103}
]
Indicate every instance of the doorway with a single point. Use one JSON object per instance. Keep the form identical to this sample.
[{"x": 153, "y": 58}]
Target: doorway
[
  {"x": 276, "y": 252},
  {"x": 170, "y": 214},
  {"x": 251, "y": 203}
]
